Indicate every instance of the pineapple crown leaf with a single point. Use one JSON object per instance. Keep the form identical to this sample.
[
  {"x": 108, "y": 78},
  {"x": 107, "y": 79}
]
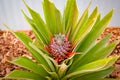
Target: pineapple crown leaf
[
  {"x": 39, "y": 27},
  {"x": 88, "y": 40},
  {"x": 98, "y": 49},
  {"x": 39, "y": 69},
  {"x": 81, "y": 21},
  {"x": 58, "y": 40},
  {"x": 27, "y": 75},
  {"x": 53, "y": 17},
  {"x": 97, "y": 75},
  {"x": 91, "y": 67}
]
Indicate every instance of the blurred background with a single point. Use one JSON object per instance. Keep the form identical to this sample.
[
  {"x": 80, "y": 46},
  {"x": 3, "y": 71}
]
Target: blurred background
[{"x": 10, "y": 11}]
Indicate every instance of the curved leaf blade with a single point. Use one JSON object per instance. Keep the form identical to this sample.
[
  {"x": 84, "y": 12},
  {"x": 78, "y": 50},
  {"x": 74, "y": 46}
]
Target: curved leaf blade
[
  {"x": 70, "y": 15},
  {"x": 35, "y": 30},
  {"x": 52, "y": 17},
  {"x": 98, "y": 75},
  {"x": 91, "y": 38},
  {"x": 93, "y": 66},
  {"x": 24, "y": 75},
  {"x": 87, "y": 57},
  {"x": 86, "y": 27},
  {"x": 43, "y": 57},
  {"x": 39, "y": 25},
  {"x": 81, "y": 21},
  {"x": 26, "y": 41},
  {"x": 30, "y": 65}
]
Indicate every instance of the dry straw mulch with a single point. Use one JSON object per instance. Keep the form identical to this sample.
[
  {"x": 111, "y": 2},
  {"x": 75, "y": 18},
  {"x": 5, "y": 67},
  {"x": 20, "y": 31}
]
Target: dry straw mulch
[{"x": 11, "y": 48}]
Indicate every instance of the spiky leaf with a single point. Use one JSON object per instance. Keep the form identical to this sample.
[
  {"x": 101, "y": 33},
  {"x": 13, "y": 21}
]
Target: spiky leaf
[
  {"x": 52, "y": 17},
  {"x": 24, "y": 75},
  {"x": 30, "y": 65},
  {"x": 39, "y": 25},
  {"x": 70, "y": 15}
]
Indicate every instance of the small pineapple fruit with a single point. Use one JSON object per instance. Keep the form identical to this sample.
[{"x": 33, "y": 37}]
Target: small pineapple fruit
[
  {"x": 66, "y": 47},
  {"x": 60, "y": 47}
]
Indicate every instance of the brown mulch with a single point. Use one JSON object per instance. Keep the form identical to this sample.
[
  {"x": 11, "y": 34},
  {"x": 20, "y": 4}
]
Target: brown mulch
[
  {"x": 11, "y": 48},
  {"x": 114, "y": 37}
]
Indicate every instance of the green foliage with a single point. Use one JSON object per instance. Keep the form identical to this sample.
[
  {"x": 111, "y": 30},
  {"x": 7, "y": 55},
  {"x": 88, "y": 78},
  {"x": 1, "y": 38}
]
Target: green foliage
[
  {"x": 52, "y": 17},
  {"x": 92, "y": 63},
  {"x": 24, "y": 75},
  {"x": 98, "y": 75},
  {"x": 70, "y": 15}
]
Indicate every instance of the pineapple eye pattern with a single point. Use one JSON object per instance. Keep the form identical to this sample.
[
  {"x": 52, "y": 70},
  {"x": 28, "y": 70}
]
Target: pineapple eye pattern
[{"x": 60, "y": 47}]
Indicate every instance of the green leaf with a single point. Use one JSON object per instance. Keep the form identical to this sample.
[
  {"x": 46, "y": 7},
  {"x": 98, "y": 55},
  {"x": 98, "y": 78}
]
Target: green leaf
[
  {"x": 52, "y": 17},
  {"x": 62, "y": 69},
  {"x": 86, "y": 27},
  {"x": 24, "y": 75},
  {"x": 23, "y": 37},
  {"x": 98, "y": 19},
  {"x": 92, "y": 67},
  {"x": 40, "y": 25},
  {"x": 54, "y": 76},
  {"x": 26, "y": 41},
  {"x": 106, "y": 51},
  {"x": 35, "y": 30},
  {"x": 91, "y": 38},
  {"x": 98, "y": 75},
  {"x": 56, "y": 66},
  {"x": 81, "y": 21},
  {"x": 48, "y": 78},
  {"x": 97, "y": 54},
  {"x": 70, "y": 15},
  {"x": 42, "y": 57},
  {"x": 30, "y": 65},
  {"x": 88, "y": 56},
  {"x": 59, "y": 25}
]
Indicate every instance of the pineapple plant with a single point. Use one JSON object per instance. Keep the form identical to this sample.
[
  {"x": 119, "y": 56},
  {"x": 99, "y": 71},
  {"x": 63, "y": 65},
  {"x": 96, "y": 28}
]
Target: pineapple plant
[{"x": 66, "y": 47}]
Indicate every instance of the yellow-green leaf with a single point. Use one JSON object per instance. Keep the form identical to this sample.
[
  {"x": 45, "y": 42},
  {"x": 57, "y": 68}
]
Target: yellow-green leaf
[
  {"x": 24, "y": 75},
  {"x": 98, "y": 75},
  {"x": 92, "y": 36},
  {"x": 70, "y": 15},
  {"x": 80, "y": 23},
  {"x": 30, "y": 65},
  {"x": 88, "y": 56},
  {"x": 35, "y": 30},
  {"x": 40, "y": 25},
  {"x": 52, "y": 17},
  {"x": 93, "y": 66}
]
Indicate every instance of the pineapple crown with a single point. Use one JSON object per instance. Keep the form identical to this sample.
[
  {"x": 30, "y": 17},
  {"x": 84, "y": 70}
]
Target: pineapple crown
[
  {"x": 60, "y": 38},
  {"x": 66, "y": 47}
]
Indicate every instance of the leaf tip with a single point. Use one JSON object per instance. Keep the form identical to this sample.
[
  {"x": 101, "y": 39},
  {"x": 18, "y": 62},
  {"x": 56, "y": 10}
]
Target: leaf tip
[
  {"x": 26, "y": 4},
  {"x": 23, "y": 12},
  {"x": 8, "y": 28},
  {"x": 112, "y": 11}
]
